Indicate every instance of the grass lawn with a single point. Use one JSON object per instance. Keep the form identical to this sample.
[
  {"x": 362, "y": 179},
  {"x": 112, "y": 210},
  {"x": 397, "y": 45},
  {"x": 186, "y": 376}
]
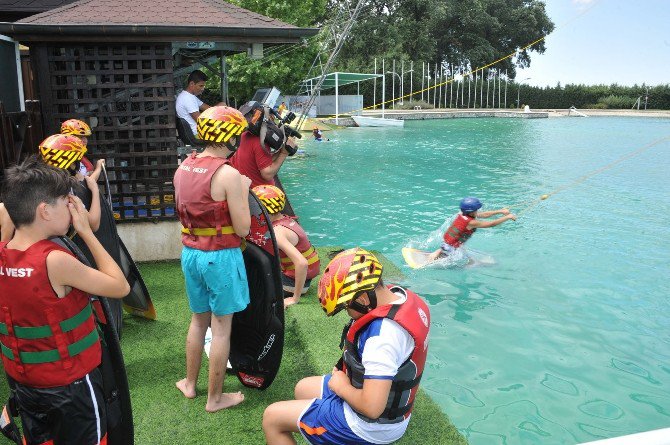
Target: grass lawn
[{"x": 155, "y": 360}]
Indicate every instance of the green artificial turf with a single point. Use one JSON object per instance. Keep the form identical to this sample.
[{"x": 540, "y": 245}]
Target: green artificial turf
[{"x": 155, "y": 359}]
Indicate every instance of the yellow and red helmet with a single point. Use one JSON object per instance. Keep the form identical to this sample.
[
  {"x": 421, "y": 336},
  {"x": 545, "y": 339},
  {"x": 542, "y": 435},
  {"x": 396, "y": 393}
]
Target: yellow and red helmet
[
  {"x": 272, "y": 198},
  {"x": 75, "y": 127},
  {"x": 222, "y": 125},
  {"x": 348, "y": 275},
  {"x": 62, "y": 150}
]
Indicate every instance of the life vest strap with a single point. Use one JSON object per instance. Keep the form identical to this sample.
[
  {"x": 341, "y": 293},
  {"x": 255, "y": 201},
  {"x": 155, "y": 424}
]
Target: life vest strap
[
  {"x": 35, "y": 332},
  {"x": 307, "y": 254},
  {"x": 52, "y": 355},
  {"x": 208, "y": 231}
]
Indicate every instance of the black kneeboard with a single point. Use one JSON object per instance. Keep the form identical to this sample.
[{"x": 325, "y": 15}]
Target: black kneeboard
[
  {"x": 109, "y": 239},
  {"x": 257, "y": 338},
  {"x": 120, "y": 429}
]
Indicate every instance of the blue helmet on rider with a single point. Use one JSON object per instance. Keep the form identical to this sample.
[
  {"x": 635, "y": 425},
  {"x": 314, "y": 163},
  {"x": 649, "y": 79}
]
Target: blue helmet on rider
[{"x": 469, "y": 205}]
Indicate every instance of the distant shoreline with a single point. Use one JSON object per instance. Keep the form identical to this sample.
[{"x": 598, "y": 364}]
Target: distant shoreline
[{"x": 562, "y": 112}]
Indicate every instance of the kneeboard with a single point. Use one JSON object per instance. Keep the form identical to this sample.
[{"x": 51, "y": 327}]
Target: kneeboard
[
  {"x": 120, "y": 429},
  {"x": 257, "y": 337},
  {"x": 109, "y": 238},
  {"x": 416, "y": 259}
]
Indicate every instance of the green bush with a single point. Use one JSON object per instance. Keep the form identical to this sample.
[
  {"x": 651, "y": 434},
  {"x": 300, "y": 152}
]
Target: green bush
[{"x": 617, "y": 102}]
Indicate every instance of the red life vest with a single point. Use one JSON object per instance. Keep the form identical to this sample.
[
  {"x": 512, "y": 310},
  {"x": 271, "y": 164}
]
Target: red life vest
[
  {"x": 46, "y": 341},
  {"x": 303, "y": 246},
  {"x": 458, "y": 232},
  {"x": 207, "y": 223},
  {"x": 413, "y": 315}
]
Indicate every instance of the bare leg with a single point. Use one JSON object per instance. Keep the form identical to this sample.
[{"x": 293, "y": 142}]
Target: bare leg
[
  {"x": 309, "y": 388},
  {"x": 195, "y": 340},
  {"x": 218, "y": 356},
  {"x": 280, "y": 421}
]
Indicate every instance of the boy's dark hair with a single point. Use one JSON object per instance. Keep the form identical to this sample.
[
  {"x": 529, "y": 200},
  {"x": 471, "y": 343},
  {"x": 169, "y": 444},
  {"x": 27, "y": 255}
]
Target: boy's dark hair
[
  {"x": 196, "y": 76},
  {"x": 30, "y": 183}
]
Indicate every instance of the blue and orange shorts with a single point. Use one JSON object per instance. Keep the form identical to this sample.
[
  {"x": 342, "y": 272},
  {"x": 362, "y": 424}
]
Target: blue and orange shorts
[{"x": 323, "y": 421}]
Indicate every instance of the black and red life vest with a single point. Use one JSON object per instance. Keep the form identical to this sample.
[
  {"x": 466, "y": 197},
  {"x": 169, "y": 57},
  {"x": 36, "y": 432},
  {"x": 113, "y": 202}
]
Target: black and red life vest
[
  {"x": 458, "y": 232},
  {"x": 413, "y": 315},
  {"x": 207, "y": 223},
  {"x": 303, "y": 246},
  {"x": 45, "y": 341}
]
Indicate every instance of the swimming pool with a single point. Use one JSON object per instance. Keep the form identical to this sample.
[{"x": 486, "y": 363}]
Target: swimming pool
[{"x": 566, "y": 338}]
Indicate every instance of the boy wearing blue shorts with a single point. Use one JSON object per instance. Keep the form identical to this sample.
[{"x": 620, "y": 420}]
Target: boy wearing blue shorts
[
  {"x": 369, "y": 396},
  {"x": 213, "y": 207}
]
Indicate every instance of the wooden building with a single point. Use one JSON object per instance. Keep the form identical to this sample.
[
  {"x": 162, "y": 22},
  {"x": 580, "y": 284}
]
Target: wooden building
[{"x": 111, "y": 63}]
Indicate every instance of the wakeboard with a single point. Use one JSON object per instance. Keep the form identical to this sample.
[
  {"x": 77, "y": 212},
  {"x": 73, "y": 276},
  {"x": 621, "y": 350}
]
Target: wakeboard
[
  {"x": 257, "y": 337},
  {"x": 417, "y": 259},
  {"x": 120, "y": 429}
]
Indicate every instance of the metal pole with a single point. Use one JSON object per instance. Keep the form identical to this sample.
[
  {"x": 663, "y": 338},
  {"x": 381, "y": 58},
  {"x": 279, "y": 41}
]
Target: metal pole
[
  {"x": 374, "y": 88},
  {"x": 474, "y": 104},
  {"x": 402, "y": 81},
  {"x": 435, "y": 86},
  {"x": 463, "y": 92},
  {"x": 499, "y": 85},
  {"x": 383, "y": 88},
  {"x": 337, "y": 104},
  {"x": 224, "y": 79},
  {"x": 481, "y": 92},
  {"x": 423, "y": 77},
  {"x": 506, "y": 81},
  {"x": 451, "y": 84},
  {"x": 411, "y": 79},
  {"x": 428, "y": 82},
  {"x": 488, "y": 81},
  {"x": 393, "y": 86},
  {"x": 469, "y": 81}
]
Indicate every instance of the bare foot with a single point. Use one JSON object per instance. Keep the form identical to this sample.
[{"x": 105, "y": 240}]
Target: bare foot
[
  {"x": 290, "y": 301},
  {"x": 186, "y": 389},
  {"x": 226, "y": 400}
]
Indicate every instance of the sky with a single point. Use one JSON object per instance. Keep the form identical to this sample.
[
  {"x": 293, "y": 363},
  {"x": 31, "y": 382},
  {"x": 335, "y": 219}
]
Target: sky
[{"x": 604, "y": 42}]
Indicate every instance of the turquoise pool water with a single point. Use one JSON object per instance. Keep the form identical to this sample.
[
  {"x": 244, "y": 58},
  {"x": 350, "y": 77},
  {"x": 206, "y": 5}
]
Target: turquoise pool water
[{"x": 567, "y": 337}]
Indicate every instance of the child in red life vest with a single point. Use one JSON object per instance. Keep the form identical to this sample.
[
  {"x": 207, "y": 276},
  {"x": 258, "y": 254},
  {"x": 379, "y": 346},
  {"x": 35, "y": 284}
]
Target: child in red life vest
[
  {"x": 213, "y": 206},
  {"x": 370, "y": 399},
  {"x": 50, "y": 345},
  {"x": 299, "y": 259},
  {"x": 466, "y": 223}
]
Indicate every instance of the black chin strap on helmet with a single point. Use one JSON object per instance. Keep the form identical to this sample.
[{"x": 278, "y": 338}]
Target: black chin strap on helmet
[{"x": 364, "y": 309}]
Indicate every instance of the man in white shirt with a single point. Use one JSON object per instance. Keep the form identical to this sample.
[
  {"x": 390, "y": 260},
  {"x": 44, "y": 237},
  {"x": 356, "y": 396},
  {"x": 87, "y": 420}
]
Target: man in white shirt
[{"x": 189, "y": 106}]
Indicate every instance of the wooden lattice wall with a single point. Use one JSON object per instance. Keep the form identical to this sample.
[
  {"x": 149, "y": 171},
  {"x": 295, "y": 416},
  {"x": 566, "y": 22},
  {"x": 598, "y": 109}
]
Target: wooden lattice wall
[{"x": 126, "y": 93}]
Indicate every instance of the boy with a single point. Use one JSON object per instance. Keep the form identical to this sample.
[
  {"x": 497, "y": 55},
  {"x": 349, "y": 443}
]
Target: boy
[
  {"x": 51, "y": 349},
  {"x": 371, "y": 399},
  {"x": 213, "y": 206},
  {"x": 298, "y": 259},
  {"x": 466, "y": 223},
  {"x": 64, "y": 152},
  {"x": 80, "y": 129}
]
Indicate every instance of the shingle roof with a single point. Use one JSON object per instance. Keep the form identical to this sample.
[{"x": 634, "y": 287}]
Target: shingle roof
[
  {"x": 31, "y": 5},
  {"x": 200, "y": 13},
  {"x": 153, "y": 20}
]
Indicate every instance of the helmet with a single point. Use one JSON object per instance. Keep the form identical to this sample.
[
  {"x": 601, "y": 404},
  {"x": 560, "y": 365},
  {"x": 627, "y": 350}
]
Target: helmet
[
  {"x": 254, "y": 113},
  {"x": 348, "y": 275},
  {"x": 62, "y": 150},
  {"x": 75, "y": 127},
  {"x": 470, "y": 204},
  {"x": 272, "y": 198},
  {"x": 222, "y": 125}
]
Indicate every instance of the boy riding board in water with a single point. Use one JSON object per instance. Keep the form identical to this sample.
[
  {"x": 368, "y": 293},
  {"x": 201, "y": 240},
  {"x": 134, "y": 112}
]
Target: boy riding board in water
[
  {"x": 51, "y": 349},
  {"x": 370, "y": 398},
  {"x": 466, "y": 223}
]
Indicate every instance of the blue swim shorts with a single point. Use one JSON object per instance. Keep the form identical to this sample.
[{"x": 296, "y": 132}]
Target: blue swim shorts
[
  {"x": 323, "y": 421},
  {"x": 216, "y": 280}
]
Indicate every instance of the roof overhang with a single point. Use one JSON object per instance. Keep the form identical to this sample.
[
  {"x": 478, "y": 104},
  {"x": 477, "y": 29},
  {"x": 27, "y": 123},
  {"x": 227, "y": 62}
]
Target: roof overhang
[
  {"x": 339, "y": 79},
  {"x": 27, "y": 32}
]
